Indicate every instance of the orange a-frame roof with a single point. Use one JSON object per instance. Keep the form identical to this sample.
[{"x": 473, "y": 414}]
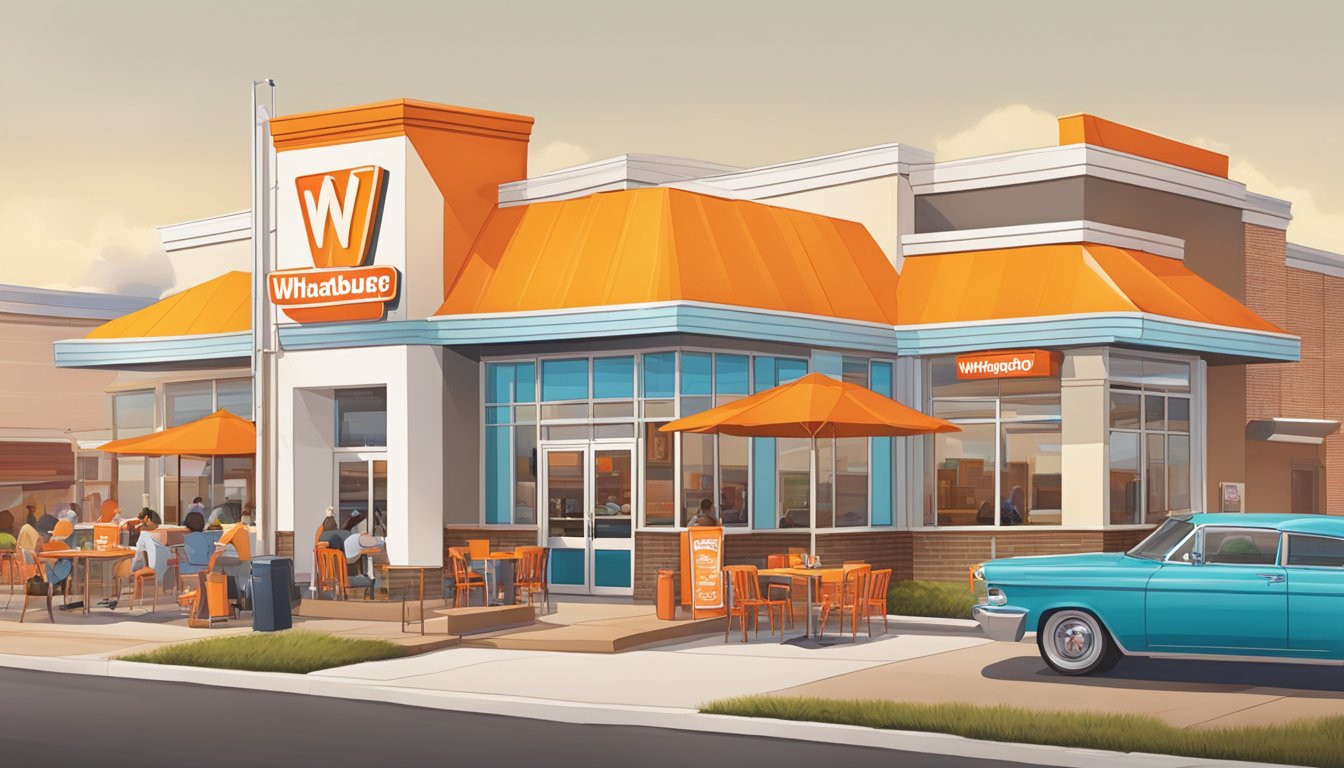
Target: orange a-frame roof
[
  {"x": 221, "y": 305},
  {"x": 660, "y": 245},
  {"x": 1048, "y": 280}
]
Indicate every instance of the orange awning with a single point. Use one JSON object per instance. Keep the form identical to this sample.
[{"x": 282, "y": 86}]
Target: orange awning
[
  {"x": 220, "y": 305},
  {"x": 814, "y": 406},
  {"x": 1050, "y": 280},
  {"x": 219, "y": 434},
  {"x": 659, "y": 245}
]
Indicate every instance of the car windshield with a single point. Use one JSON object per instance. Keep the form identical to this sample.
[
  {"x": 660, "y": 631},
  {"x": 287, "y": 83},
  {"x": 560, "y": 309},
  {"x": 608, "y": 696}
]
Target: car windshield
[{"x": 1161, "y": 541}]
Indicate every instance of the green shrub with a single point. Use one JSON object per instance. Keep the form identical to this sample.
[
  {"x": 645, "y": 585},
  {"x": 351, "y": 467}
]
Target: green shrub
[
  {"x": 941, "y": 599},
  {"x": 295, "y": 651},
  {"x": 1312, "y": 742}
]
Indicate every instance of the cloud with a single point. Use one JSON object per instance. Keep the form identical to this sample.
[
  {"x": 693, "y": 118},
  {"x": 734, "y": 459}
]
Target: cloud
[
  {"x": 555, "y": 155},
  {"x": 1006, "y": 129},
  {"x": 1311, "y": 226},
  {"x": 118, "y": 257}
]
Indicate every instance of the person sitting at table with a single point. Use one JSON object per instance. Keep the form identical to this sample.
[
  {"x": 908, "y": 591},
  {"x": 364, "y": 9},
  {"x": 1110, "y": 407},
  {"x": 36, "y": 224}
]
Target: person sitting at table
[
  {"x": 7, "y": 540},
  {"x": 194, "y": 522},
  {"x": 1010, "y": 511},
  {"x": 355, "y": 521},
  {"x": 149, "y": 519},
  {"x": 57, "y": 570}
]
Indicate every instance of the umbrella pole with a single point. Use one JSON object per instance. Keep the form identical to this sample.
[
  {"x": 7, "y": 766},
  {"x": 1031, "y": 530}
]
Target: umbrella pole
[{"x": 812, "y": 502}]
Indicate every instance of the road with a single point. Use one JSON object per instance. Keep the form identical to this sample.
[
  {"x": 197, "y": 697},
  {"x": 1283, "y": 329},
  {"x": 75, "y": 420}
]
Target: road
[{"x": 60, "y": 719}]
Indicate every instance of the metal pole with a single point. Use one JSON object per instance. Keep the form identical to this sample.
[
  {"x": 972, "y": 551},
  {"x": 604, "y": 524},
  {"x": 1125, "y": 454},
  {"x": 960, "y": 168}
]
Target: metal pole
[{"x": 263, "y": 491}]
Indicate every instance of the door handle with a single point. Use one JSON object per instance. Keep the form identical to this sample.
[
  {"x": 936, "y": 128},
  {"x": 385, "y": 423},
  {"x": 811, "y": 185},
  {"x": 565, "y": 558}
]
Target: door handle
[{"x": 1273, "y": 578}]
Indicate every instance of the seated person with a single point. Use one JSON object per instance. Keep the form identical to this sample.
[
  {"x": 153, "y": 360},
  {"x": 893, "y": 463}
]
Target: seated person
[
  {"x": 355, "y": 521},
  {"x": 1010, "y": 511},
  {"x": 197, "y": 546},
  {"x": 149, "y": 519},
  {"x": 358, "y": 546},
  {"x": 49, "y": 539},
  {"x": 705, "y": 515},
  {"x": 7, "y": 540},
  {"x": 194, "y": 522}
]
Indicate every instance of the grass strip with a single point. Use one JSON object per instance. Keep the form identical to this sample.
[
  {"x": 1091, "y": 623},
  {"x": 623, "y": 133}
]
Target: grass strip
[
  {"x": 941, "y": 599},
  {"x": 1311, "y": 742},
  {"x": 294, "y": 651}
]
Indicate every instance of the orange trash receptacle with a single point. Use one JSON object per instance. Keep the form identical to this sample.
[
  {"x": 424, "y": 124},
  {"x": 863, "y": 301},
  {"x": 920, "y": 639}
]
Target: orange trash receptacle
[{"x": 666, "y": 599}]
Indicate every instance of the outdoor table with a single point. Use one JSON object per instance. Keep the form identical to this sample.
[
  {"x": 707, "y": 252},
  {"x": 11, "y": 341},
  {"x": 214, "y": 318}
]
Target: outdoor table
[
  {"x": 87, "y": 557},
  {"x": 421, "y": 598},
  {"x": 813, "y": 576}
]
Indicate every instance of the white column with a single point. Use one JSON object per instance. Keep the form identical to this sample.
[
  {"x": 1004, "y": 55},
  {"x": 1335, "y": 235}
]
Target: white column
[{"x": 1085, "y": 437}]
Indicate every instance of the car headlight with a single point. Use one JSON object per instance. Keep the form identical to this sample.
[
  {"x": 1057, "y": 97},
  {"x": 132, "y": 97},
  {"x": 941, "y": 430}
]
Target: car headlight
[
  {"x": 996, "y": 596},
  {"x": 979, "y": 573}
]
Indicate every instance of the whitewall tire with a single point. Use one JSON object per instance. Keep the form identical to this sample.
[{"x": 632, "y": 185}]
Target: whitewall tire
[{"x": 1074, "y": 642}]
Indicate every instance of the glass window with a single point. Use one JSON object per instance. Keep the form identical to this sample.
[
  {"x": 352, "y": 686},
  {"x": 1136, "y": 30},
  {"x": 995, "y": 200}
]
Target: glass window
[
  {"x": 1178, "y": 414},
  {"x": 733, "y": 479},
  {"x": 1124, "y": 475},
  {"x": 188, "y": 401},
  {"x": 697, "y": 474},
  {"x": 499, "y": 382},
  {"x": 1031, "y": 486},
  {"x": 731, "y": 375},
  {"x": 613, "y": 377},
  {"x": 766, "y": 375},
  {"x": 1178, "y": 473},
  {"x": 361, "y": 417},
  {"x": 792, "y": 493},
  {"x": 133, "y": 414},
  {"x": 1155, "y": 412},
  {"x": 787, "y": 369},
  {"x": 564, "y": 379},
  {"x": 851, "y": 482},
  {"x": 882, "y": 379},
  {"x": 1125, "y": 408},
  {"x": 1241, "y": 546},
  {"x": 659, "y": 476},
  {"x": 1160, "y": 542},
  {"x": 1156, "y": 478},
  {"x": 525, "y": 382},
  {"x": 234, "y": 396},
  {"x": 696, "y": 373},
  {"x": 1315, "y": 551},
  {"x": 854, "y": 370},
  {"x": 660, "y": 375},
  {"x": 825, "y": 512},
  {"x": 1162, "y": 374},
  {"x": 944, "y": 381},
  {"x": 964, "y": 475},
  {"x": 525, "y": 474},
  {"x": 964, "y": 409}
]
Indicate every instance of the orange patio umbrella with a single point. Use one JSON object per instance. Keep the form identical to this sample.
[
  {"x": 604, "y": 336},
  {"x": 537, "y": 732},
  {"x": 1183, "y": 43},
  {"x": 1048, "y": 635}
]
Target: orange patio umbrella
[
  {"x": 219, "y": 434},
  {"x": 811, "y": 407}
]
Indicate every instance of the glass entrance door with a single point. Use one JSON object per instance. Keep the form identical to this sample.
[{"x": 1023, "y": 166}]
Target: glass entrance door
[
  {"x": 361, "y": 492},
  {"x": 589, "y": 496}
]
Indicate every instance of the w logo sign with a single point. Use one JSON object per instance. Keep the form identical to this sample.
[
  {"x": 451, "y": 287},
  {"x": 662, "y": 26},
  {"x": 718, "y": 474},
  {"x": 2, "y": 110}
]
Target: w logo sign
[{"x": 340, "y": 213}]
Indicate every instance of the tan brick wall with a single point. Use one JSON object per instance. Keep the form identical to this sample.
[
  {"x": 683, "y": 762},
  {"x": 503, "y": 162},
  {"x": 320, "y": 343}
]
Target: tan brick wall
[
  {"x": 1267, "y": 295},
  {"x": 655, "y": 551},
  {"x": 284, "y": 544},
  {"x": 1333, "y": 386},
  {"x": 1304, "y": 381},
  {"x": 944, "y": 555},
  {"x": 456, "y": 536}
]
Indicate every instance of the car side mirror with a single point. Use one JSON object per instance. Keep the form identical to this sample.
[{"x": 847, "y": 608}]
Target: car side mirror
[{"x": 1193, "y": 558}]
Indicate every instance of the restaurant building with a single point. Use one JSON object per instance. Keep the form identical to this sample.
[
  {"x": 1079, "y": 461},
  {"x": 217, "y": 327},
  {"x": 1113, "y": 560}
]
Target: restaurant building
[{"x": 460, "y": 350}]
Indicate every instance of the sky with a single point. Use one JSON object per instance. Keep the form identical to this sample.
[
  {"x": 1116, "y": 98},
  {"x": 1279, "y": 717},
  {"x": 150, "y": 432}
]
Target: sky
[{"x": 119, "y": 116}]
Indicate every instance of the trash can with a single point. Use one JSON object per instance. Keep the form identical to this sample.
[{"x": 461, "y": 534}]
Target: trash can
[
  {"x": 666, "y": 599},
  {"x": 272, "y": 584}
]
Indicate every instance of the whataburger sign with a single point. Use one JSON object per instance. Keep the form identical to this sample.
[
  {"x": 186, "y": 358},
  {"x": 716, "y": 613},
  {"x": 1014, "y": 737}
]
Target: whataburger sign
[
  {"x": 340, "y": 214},
  {"x": 1009, "y": 364}
]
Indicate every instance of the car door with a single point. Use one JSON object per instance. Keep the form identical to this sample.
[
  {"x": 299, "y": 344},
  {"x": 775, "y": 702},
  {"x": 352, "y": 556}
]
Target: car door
[
  {"x": 1315, "y": 569},
  {"x": 1230, "y": 598}
]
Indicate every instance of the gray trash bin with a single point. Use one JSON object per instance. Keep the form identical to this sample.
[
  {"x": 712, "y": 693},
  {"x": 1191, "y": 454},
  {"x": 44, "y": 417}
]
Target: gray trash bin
[{"x": 272, "y": 583}]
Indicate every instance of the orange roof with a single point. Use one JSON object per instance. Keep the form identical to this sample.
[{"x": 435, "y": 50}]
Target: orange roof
[
  {"x": 814, "y": 406},
  {"x": 219, "y": 434},
  {"x": 1090, "y": 129},
  {"x": 1045, "y": 280},
  {"x": 221, "y": 305},
  {"x": 658, "y": 244}
]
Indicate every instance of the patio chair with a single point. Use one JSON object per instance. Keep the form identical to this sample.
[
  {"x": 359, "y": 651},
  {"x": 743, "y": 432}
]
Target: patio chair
[
  {"x": 777, "y": 589},
  {"x": 331, "y": 572},
  {"x": 852, "y": 595},
  {"x": 30, "y": 568},
  {"x": 464, "y": 579},
  {"x": 530, "y": 577},
  {"x": 744, "y": 596},
  {"x": 878, "y": 584},
  {"x": 198, "y": 548},
  {"x": 158, "y": 561}
]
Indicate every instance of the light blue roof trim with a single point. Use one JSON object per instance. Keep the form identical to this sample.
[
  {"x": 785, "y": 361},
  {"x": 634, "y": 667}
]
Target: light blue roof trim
[
  {"x": 596, "y": 323},
  {"x": 114, "y": 353},
  {"x": 83, "y": 305},
  {"x": 1130, "y": 328}
]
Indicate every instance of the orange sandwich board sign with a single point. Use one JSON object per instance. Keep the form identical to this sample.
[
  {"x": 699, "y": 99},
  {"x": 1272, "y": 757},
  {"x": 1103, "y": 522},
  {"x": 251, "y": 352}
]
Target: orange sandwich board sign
[
  {"x": 1009, "y": 364},
  {"x": 340, "y": 214},
  {"x": 703, "y": 561}
]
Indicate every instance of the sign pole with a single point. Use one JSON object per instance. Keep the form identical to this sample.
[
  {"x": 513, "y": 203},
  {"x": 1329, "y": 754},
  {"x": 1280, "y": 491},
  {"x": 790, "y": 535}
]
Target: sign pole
[{"x": 263, "y": 477}]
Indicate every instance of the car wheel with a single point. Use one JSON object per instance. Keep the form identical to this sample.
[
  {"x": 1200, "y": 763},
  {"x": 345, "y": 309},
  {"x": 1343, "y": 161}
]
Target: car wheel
[{"x": 1075, "y": 643}]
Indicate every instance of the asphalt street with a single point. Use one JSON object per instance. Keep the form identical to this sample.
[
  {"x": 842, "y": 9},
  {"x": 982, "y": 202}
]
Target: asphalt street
[{"x": 60, "y": 719}]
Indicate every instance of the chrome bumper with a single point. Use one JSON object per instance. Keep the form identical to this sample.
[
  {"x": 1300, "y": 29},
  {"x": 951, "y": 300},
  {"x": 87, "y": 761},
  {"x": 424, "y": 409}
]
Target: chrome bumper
[{"x": 1004, "y": 624}]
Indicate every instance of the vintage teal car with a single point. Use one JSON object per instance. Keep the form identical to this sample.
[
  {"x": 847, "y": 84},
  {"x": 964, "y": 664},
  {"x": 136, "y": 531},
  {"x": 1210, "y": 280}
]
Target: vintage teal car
[{"x": 1263, "y": 587}]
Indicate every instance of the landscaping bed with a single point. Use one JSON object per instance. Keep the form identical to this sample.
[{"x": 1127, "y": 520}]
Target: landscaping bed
[
  {"x": 1312, "y": 742},
  {"x": 939, "y": 599},
  {"x": 293, "y": 651}
]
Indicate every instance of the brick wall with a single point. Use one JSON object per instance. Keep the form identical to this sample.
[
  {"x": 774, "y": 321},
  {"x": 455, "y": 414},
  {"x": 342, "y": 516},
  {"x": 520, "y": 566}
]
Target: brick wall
[
  {"x": 654, "y": 552},
  {"x": 1304, "y": 381},
  {"x": 944, "y": 556},
  {"x": 456, "y": 536},
  {"x": 284, "y": 544},
  {"x": 1267, "y": 295},
  {"x": 1333, "y": 371}
]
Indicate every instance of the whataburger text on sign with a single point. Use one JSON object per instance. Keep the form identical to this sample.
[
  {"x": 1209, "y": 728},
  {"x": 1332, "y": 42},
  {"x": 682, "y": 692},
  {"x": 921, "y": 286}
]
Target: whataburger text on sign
[
  {"x": 1009, "y": 364},
  {"x": 340, "y": 214}
]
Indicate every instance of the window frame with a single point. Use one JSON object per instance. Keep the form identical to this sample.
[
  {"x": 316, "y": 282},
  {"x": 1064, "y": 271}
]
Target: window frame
[
  {"x": 1286, "y": 549},
  {"x": 1202, "y": 545}
]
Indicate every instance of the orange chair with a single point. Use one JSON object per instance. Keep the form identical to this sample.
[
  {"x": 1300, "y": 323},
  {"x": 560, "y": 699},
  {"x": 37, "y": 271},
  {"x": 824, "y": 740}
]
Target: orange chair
[
  {"x": 109, "y": 511},
  {"x": 464, "y": 580},
  {"x": 531, "y": 574},
  {"x": 745, "y": 596},
  {"x": 852, "y": 595},
  {"x": 781, "y": 590},
  {"x": 331, "y": 571},
  {"x": 877, "y": 599}
]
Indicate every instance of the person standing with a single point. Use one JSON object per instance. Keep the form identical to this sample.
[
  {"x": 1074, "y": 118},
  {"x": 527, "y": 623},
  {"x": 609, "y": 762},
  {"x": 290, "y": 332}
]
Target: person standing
[{"x": 197, "y": 505}]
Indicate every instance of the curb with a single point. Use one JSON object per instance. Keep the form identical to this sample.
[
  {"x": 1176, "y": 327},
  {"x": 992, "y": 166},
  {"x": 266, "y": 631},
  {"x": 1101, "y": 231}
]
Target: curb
[{"x": 579, "y": 713}]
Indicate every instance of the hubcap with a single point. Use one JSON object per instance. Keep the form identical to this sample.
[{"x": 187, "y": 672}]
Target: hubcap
[{"x": 1073, "y": 639}]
